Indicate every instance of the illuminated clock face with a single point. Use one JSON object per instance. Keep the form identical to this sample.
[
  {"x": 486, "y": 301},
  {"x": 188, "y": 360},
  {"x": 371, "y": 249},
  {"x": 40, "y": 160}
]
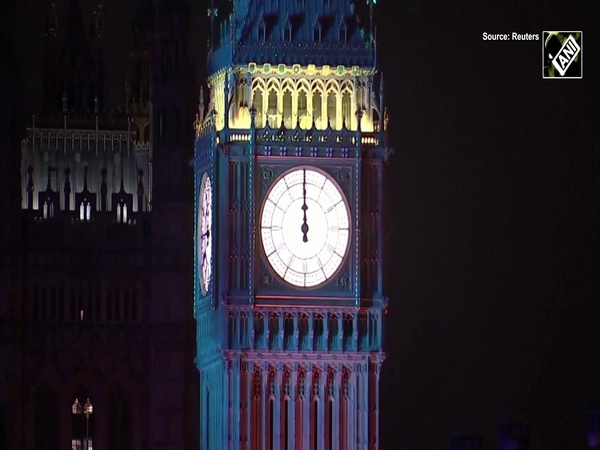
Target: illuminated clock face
[
  {"x": 305, "y": 227},
  {"x": 205, "y": 233}
]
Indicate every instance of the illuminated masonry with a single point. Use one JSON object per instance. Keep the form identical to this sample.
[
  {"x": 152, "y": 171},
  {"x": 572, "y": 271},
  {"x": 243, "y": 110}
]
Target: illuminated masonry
[{"x": 290, "y": 313}]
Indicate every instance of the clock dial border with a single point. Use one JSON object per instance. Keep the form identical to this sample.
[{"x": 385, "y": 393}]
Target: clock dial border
[
  {"x": 205, "y": 281},
  {"x": 348, "y": 247}
]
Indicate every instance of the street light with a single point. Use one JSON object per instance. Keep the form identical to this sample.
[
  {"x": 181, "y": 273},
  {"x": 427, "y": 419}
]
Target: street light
[{"x": 87, "y": 410}]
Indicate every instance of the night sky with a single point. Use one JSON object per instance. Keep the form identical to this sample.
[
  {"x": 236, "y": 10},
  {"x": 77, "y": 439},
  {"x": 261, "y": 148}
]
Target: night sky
[{"x": 494, "y": 227}]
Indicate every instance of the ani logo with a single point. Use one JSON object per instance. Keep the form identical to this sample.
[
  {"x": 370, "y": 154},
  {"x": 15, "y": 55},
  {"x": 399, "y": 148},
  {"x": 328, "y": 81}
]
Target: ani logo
[{"x": 562, "y": 54}]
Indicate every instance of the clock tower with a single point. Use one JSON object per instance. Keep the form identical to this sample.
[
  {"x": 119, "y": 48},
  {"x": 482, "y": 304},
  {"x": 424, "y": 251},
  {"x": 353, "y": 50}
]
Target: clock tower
[{"x": 289, "y": 295}]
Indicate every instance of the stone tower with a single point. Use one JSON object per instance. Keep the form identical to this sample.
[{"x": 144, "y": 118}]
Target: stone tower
[{"x": 289, "y": 294}]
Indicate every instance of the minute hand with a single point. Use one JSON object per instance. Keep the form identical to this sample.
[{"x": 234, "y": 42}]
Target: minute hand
[{"x": 304, "y": 227}]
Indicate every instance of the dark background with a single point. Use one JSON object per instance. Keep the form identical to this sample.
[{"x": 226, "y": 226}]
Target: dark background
[{"x": 493, "y": 196}]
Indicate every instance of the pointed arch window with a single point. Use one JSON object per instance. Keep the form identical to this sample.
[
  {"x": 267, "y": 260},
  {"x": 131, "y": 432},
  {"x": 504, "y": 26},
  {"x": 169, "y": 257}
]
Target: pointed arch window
[
  {"x": 332, "y": 109},
  {"x": 317, "y": 102},
  {"x": 302, "y": 104},
  {"x": 48, "y": 209},
  {"x": 272, "y": 107},
  {"x": 257, "y": 103},
  {"x": 347, "y": 109},
  {"x": 287, "y": 109}
]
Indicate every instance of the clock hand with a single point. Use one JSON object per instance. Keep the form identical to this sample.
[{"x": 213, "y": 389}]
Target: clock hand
[{"x": 304, "y": 227}]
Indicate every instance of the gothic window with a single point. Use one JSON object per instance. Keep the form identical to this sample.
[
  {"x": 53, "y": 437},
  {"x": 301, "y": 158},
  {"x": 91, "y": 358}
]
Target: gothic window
[
  {"x": 82, "y": 422},
  {"x": 231, "y": 328},
  {"x": 287, "y": 109},
  {"x": 332, "y": 110},
  {"x": 348, "y": 330},
  {"x": 318, "y": 330},
  {"x": 48, "y": 209},
  {"x": 373, "y": 329},
  {"x": 303, "y": 331},
  {"x": 347, "y": 109},
  {"x": 288, "y": 326},
  {"x": 259, "y": 329},
  {"x": 303, "y": 109},
  {"x": 85, "y": 210},
  {"x": 257, "y": 103},
  {"x": 119, "y": 421},
  {"x": 46, "y": 424},
  {"x": 273, "y": 329},
  {"x": 332, "y": 329},
  {"x": 244, "y": 330},
  {"x": 362, "y": 331},
  {"x": 272, "y": 108},
  {"x": 121, "y": 211},
  {"x": 317, "y": 102}
]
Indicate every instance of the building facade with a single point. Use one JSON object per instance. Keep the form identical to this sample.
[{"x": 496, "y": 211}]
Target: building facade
[
  {"x": 105, "y": 271},
  {"x": 289, "y": 291}
]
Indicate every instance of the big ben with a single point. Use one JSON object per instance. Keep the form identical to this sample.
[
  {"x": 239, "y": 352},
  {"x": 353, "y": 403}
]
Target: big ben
[{"x": 289, "y": 289}]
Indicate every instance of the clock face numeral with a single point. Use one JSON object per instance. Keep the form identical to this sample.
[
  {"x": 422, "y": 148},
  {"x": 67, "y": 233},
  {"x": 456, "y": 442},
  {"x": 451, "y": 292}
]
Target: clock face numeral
[
  {"x": 205, "y": 233},
  {"x": 305, "y": 227}
]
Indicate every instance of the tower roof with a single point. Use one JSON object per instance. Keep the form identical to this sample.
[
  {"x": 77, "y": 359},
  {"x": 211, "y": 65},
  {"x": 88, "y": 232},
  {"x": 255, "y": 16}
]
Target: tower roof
[{"x": 320, "y": 32}]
